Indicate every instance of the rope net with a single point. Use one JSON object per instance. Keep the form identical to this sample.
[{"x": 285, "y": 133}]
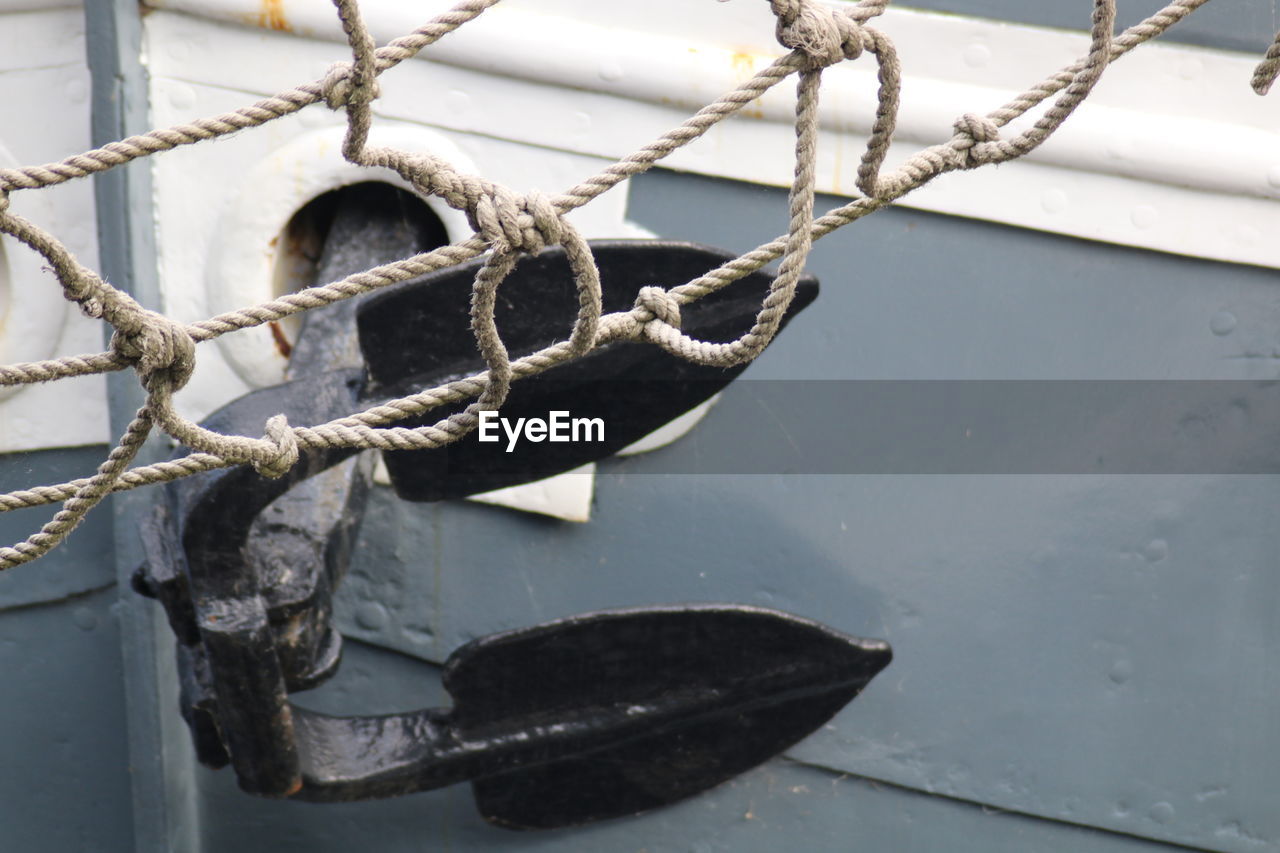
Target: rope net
[{"x": 506, "y": 224}]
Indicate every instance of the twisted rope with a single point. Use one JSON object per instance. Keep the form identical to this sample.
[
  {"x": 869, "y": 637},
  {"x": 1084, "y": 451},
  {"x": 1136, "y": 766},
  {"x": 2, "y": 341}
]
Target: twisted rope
[{"x": 508, "y": 224}]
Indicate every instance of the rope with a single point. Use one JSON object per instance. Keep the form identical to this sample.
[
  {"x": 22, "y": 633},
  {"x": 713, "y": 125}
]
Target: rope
[
  {"x": 507, "y": 225},
  {"x": 1265, "y": 74}
]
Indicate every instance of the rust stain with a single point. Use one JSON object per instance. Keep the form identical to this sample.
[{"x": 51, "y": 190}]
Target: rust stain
[
  {"x": 282, "y": 343},
  {"x": 744, "y": 64},
  {"x": 272, "y": 16},
  {"x": 744, "y": 68}
]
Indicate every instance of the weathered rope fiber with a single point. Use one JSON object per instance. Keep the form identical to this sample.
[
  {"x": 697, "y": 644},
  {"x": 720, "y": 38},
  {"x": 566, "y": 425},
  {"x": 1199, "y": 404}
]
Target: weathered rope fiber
[{"x": 508, "y": 224}]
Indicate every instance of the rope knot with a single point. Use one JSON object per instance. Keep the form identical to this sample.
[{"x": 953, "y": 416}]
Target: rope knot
[
  {"x": 976, "y": 133},
  {"x": 339, "y": 88},
  {"x": 660, "y": 305},
  {"x": 284, "y": 453},
  {"x": 158, "y": 347},
  {"x": 824, "y": 34},
  {"x": 977, "y": 128},
  {"x": 513, "y": 222}
]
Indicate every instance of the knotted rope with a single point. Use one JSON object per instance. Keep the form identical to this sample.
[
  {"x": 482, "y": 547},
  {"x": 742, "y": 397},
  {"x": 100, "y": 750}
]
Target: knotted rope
[
  {"x": 656, "y": 304},
  {"x": 508, "y": 224},
  {"x": 824, "y": 34}
]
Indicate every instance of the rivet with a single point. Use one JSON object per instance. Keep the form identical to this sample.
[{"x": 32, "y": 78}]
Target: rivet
[
  {"x": 1248, "y": 235},
  {"x": 418, "y": 635},
  {"x": 457, "y": 101},
  {"x": 1120, "y": 672},
  {"x": 1053, "y": 200},
  {"x": 181, "y": 97},
  {"x": 1119, "y": 148},
  {"x": 75, "y": 91},
  {"x": 1156, "y": 550},
  {"x": 1161, "y": 812},
  {"x": 372, "y": 616},
  {"x": 179, "y": 49},
  {"x": 1223, "y": 323},
  {"x": 1143, "y": 216},
  {"x": 84, "y": 619},
  {"x": 610, "y": 71},
  {"x": 977, "y": 55}
]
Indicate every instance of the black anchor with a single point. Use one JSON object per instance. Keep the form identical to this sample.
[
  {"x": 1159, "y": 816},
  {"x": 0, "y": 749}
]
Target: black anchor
[{"x": 579, "y": 719}]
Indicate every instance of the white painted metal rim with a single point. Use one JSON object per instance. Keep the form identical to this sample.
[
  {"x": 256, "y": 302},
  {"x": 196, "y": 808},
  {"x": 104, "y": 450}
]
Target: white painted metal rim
[
  {"x": 247, "y": 243},
  {"x": 44, "y": 78},
  {"x": 37, "y": 5},
  {"x": 32, "y": 310},
  {"x": 1172, "y": 152}
]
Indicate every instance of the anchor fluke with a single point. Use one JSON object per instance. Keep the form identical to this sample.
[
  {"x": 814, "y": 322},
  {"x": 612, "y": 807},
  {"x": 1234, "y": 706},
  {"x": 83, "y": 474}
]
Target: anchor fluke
[{"x": 601, "y": 715}]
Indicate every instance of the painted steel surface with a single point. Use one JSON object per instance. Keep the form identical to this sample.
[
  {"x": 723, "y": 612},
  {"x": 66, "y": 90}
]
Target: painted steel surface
[{"x": 1083, "y": 651}]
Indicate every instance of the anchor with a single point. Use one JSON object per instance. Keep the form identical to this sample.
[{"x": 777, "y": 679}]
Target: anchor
[{"x": 594, "y": 716}]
